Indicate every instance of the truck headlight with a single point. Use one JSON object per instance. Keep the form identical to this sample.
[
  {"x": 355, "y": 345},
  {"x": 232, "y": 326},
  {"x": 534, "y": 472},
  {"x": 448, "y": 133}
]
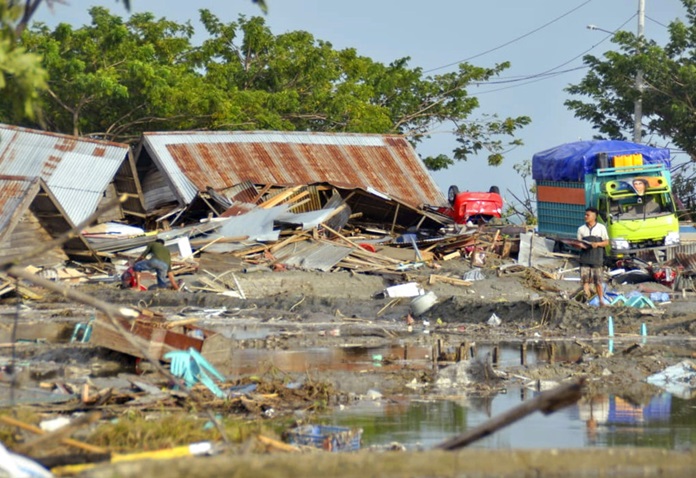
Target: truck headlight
[
  {"x": 672, "y": 239},
  {"x": 619, "y": 244}
]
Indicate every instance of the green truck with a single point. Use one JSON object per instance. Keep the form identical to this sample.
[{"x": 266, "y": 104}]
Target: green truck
[{"x": 629, "y": 183}]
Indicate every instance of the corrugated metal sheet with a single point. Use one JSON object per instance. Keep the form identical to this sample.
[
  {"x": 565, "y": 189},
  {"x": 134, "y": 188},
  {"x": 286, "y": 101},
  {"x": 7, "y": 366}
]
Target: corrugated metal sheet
[
  {"x": 76, "y": 170},
  {"x": 388, "y": 164},
  {"x": 15, "y": 195},
  {"x": 312, "y": 255}
]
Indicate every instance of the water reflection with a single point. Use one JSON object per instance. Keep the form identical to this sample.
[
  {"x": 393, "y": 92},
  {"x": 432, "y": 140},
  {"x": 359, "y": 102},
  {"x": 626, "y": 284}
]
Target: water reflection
[
  {"x": 393, "y": 356},
  {"x": 664, "y": 422}
]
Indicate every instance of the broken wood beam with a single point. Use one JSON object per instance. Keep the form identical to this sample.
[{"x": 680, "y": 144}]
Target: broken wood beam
[
  {"x": 38, "y": 431},
  {"x": 434, "y": 278}
]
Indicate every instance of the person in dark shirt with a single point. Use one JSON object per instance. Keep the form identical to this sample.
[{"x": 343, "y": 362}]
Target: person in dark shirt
[{"x": 160, "y": 262}]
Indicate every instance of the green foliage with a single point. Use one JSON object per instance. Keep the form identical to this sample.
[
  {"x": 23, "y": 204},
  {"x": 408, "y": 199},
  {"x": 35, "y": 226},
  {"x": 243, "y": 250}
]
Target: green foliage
[
  {"x": 607, "y": 93},
  {"x": 116, "y": 78},
  {"x": 21, "y": 74}
]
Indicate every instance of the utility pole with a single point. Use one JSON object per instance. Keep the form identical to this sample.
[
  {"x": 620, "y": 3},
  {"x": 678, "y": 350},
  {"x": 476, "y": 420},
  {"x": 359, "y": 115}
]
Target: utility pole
[{"x": 638, "y": 104}]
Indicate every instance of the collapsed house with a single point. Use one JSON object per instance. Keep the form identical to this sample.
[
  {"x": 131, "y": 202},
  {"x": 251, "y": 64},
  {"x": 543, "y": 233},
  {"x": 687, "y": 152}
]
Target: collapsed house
[
  {"x": 379, "y": 176},
  {"x": 51, "y": 182},
  {"x": 274, "y": 198}
]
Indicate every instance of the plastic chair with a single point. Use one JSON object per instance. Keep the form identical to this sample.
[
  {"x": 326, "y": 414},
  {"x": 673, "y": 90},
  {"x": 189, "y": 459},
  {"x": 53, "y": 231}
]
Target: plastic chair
[
  {"x": 191, "y": 367},
  {"x": 85, "y": 328}
]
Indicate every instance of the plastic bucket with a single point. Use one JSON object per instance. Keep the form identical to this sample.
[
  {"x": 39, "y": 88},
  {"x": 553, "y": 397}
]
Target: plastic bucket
[{"x": 423, "y": 303}]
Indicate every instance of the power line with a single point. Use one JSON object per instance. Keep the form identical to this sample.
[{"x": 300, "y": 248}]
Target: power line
[
  {"x": 550, "y": 73},
  {"x": 655, "y": 21},
  {"x": 511, "y": 41}
]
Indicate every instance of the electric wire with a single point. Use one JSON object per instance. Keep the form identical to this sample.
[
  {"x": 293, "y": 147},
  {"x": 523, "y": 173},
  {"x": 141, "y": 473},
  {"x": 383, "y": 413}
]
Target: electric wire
[
  {"x": 550, "y": 73},
  {"x": 514, "y": 40},
  {"x": 655, "y": 21}
]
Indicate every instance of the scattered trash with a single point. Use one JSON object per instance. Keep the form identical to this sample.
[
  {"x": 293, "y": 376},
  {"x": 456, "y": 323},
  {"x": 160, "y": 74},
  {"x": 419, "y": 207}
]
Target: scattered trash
[
  {"x": 18, "y": 466},
  {"x": 54, "y": 424},
  {"x": 679, "y": 379},
  {"x": 409, "y": 289},
  {"x": 494, "y": 320},
  {"x": 474, "y": 275},
  {"x": 373, "y": 395},
  {"x": 423, "y": 303},
  {"x": 327, "y": 438}
]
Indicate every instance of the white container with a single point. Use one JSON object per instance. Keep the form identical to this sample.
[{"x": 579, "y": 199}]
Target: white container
[{"x": 423, "y": 303}]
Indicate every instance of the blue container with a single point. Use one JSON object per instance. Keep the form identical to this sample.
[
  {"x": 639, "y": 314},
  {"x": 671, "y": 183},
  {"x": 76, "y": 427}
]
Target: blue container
[{"x": 328, "y": 438}]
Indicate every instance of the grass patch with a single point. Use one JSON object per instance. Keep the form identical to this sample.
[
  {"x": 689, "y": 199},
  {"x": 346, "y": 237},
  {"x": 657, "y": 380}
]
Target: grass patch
[{"x": 137, "y": 431}]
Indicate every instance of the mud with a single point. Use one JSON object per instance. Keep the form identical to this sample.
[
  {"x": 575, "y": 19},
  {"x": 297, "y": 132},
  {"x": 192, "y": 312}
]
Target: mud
[{"x": 295, "y": 310}]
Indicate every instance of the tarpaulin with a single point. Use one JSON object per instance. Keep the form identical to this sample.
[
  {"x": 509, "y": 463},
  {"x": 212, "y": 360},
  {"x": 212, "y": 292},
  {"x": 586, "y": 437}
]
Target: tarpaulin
[{"x": 571, "y": 161}]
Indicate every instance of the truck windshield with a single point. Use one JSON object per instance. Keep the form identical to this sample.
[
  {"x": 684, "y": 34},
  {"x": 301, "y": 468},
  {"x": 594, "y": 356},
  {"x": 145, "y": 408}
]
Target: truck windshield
[{"x": 641, "y": 207}]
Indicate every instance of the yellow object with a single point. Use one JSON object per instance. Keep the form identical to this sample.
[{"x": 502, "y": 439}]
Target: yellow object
[
  {"x": 628, "y": 160},
  {"x": 176, "y": 452}
]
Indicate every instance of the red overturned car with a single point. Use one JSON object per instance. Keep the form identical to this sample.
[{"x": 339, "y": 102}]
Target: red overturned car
[{"x": 473, "y": 207}]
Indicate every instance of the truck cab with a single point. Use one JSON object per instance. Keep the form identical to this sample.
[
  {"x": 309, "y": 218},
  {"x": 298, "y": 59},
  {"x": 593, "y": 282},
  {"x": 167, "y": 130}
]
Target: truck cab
[
  {"x": 629, "y": 183},
  {"x": 637, "y": 208}
]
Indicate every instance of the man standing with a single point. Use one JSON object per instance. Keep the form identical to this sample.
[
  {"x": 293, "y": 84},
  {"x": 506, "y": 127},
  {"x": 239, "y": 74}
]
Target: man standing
[
  {"x": 160, "y": 262},
  {"x": 594, "y": 238}
]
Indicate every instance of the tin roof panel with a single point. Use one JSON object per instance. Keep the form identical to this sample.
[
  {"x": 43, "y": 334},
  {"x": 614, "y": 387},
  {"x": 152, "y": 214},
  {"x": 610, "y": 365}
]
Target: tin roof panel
[
  {"x": 76, "y": 170},
  {"x": 197, "y": 160}
]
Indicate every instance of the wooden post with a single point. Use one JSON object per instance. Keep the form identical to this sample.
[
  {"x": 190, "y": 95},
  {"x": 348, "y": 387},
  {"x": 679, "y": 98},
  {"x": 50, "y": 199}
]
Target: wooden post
[
  {"x": 496, "y": 355},
  {"x": 462, "y": 352},
  {"x": 396, "y": 214},
  {"x": 552, "y": 353},
  {"x": 523, "y": 353}
]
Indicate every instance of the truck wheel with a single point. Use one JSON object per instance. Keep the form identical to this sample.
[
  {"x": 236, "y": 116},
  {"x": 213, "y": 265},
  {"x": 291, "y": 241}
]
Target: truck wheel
[
  {"x": 452, "y": 193},
  {"x": 494, "y": 189}
]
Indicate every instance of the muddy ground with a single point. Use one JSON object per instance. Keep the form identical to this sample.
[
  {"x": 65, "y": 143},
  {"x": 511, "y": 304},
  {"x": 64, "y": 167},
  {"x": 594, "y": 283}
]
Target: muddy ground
[{"x": 307, "y": 309}]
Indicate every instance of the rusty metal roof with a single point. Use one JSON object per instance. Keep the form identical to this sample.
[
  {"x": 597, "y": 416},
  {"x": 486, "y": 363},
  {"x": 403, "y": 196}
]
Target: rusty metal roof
[
  {"x": 76, "y": 170},
  {"x": 15, "y": 195},
  {"x": 386, "y": 163}
]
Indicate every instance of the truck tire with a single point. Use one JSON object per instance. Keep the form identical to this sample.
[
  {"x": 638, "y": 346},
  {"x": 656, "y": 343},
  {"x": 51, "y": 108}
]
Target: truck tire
[{"x": 452, "y": 193}]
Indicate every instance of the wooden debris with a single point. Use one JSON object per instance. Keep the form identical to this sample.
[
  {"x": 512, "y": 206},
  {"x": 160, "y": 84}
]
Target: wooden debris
[
  {"x": 38, "y": 431},
  {"x": 434, "y": 278}
]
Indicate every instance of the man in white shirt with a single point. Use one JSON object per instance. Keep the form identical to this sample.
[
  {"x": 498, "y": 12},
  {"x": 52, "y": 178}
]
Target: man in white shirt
[{"x": 595, "y": 238}]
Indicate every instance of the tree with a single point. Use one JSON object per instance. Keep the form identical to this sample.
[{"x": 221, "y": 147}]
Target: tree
[
  {"x": 115, "y": 79},
  {"x": 22, "y": 77},
  {"x": 669, "y": 74},
  {"x": 311, "y": 86},
  {"x": 21, "y": 74}
]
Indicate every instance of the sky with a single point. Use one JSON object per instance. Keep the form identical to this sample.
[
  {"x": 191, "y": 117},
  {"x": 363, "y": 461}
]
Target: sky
[{"x": 535, "y": 36}]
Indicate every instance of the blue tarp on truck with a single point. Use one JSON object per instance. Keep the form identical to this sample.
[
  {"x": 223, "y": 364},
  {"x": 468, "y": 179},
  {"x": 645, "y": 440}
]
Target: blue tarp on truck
[{"x": 571, "y": 161}]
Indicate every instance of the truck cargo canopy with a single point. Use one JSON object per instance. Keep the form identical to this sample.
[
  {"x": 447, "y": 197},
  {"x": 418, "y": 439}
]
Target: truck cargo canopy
[{"x": 571, "y": 161}]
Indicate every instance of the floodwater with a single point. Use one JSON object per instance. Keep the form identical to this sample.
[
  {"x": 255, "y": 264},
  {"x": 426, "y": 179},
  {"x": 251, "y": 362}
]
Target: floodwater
[
  {"x": 665, "y": 422},
  {"x": 387, "y": 357}
]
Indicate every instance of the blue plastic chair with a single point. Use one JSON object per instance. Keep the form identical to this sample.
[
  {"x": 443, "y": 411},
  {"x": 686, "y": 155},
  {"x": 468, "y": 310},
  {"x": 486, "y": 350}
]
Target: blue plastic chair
[{"x": 191, "y": 367}]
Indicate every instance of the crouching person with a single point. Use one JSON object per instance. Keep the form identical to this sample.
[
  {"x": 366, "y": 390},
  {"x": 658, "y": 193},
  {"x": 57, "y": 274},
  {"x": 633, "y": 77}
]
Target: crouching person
[{"x": 160, "y": 262}]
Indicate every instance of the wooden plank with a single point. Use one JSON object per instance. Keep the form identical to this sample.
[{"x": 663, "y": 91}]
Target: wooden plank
[
  {"x": 452, "y": 255},
  {"x": 280, "y": 197},
  {"x": 434, "y": 278},
  {"x": 405, "y": 254}
]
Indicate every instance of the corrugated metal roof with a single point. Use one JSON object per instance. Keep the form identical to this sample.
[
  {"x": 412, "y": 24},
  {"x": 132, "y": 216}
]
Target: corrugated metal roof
[
  {"x": 15, "y": 193},
  {"x": 388, "y": 164},
  {"x": 76, "y": 170}
]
